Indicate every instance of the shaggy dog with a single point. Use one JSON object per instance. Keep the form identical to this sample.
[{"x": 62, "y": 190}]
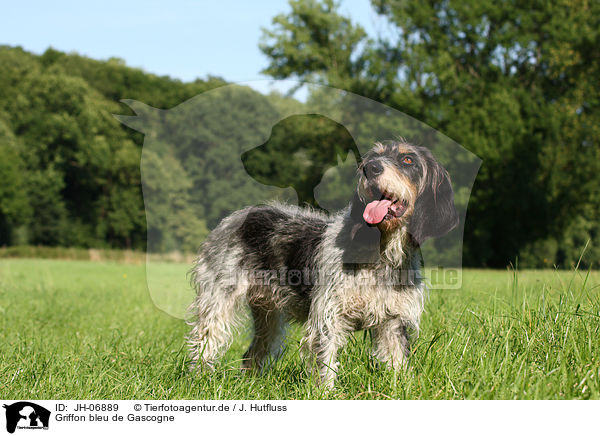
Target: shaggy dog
[{"x": 357, "y": 269}]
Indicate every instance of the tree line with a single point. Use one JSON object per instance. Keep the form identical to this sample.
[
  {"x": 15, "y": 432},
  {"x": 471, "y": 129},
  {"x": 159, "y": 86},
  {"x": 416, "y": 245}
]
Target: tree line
[{"x": 515, "y": 84}]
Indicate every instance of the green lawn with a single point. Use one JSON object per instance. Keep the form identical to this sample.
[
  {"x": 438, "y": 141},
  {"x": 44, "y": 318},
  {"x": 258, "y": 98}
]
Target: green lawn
[{"x": 88, "y": 330}]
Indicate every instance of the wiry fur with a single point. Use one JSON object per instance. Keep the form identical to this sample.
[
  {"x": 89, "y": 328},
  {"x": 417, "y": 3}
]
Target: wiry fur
[{"x": 334, "y": 273}]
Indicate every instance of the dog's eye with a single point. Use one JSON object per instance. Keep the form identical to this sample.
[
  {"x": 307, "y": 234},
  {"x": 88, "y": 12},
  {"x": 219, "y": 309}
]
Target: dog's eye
[{"x": 407, "y": 160}]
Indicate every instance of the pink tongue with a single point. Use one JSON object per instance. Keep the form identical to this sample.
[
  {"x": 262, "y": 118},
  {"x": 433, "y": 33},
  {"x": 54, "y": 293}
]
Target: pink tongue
[{"x": 376, "y": 211}]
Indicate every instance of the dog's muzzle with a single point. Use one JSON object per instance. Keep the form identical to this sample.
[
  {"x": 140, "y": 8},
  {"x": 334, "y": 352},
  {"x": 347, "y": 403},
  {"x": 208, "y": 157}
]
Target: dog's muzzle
[
  {"x": 383, "y": 205},
  {"x": 384, "y": 209}
]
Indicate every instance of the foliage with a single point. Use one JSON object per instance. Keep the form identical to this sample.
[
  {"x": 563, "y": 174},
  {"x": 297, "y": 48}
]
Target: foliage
[
  {"x": 516, "y": 83},
  {"x": 14, "y": 206},
  {"x": 69, "y": 170}
]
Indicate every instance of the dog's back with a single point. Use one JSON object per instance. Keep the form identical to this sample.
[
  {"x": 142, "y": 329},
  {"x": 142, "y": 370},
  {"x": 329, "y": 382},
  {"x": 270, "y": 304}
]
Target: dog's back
[
  {"x": 262, "y": 255},
  {"x": 272, "y": 237}
]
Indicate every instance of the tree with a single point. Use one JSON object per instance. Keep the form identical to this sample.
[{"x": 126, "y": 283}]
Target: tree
[
  {"x": 15, "y": 209},
  {"x": 516, "y": 83}
]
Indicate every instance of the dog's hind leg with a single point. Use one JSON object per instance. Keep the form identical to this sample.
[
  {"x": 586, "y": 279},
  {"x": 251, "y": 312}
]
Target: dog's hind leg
[
  {"x": 213, "y": 317},
  {"x": 269, "y": 325}
]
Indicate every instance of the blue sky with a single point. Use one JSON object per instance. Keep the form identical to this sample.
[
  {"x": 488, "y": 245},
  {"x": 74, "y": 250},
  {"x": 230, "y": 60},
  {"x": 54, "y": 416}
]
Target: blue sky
[{"x": 180, "y": 38}]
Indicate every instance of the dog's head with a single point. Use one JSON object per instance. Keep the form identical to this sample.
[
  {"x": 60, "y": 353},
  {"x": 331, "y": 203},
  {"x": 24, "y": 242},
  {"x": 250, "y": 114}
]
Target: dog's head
[{"x": 403, "y": 186}]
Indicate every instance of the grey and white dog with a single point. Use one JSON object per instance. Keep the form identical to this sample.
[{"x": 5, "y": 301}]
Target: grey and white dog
[{"x": 358, "y": 269}]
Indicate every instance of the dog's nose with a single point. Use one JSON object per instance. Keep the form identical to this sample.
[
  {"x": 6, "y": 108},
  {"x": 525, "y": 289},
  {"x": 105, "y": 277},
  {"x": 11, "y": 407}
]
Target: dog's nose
[{"x": 372, "y": 169}]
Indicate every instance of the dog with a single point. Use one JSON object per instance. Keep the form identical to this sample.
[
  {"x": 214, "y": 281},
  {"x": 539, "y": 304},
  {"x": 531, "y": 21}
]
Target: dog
[{"x": 357, "y": 269}]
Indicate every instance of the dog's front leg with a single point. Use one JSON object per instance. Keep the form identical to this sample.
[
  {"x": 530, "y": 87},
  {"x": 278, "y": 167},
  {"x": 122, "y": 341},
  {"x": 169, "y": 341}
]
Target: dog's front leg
[
  {"x": 325, "y": 352},
  {"x": 326, "y": 333},
  {"x": 391, "y": 343}
]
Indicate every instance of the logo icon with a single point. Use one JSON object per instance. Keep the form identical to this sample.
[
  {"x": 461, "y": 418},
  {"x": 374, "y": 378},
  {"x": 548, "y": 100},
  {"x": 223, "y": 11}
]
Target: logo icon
[
  {"x": 229, "y": 148},
  {"x": 26, "y": 415}
]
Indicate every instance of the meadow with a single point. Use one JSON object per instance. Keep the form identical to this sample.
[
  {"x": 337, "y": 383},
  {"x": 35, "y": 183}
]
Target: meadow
[{"x": 89, "y": 330}]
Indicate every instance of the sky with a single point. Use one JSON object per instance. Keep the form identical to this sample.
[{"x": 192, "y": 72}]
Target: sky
[{"x": 183, "y": 39}]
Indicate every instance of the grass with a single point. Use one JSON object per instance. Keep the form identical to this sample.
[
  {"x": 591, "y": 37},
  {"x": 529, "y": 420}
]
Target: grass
[{"x": 88, "y": 330}]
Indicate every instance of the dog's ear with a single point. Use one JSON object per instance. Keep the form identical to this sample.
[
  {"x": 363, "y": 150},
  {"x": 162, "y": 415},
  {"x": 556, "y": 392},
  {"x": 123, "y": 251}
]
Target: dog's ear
[{"x": 435, "y": 213}]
